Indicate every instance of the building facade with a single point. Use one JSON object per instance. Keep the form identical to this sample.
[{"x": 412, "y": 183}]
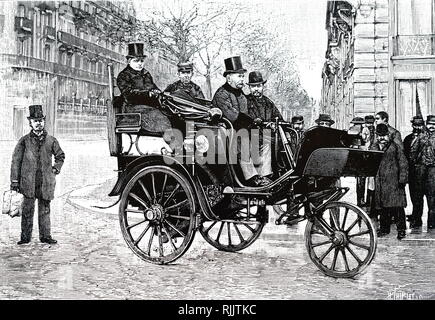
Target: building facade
[
  {"x": 380, "y": 56},
  {"x": 56, "y": 53}
]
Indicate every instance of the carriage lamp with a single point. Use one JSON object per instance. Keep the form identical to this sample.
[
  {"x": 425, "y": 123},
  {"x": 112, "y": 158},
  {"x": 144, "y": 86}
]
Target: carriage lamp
[
  {"x": 215, "y": 113},
  {"x": 201, "y": 143}
]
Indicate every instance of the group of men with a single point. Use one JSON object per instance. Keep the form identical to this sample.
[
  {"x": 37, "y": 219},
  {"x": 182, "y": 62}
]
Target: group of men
[{"x": 409, "y": 162}]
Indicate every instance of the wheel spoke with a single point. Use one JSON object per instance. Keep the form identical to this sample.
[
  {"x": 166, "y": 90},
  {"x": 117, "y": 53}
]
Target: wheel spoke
[
  {"x": 354, "y": 255},
  {"x": 314, "y": 245},
  {"x": 142, "y": 234},
  {"x": 159, "y": 232},
  {"x": 220, "y": 232},
  {"x": 163, "y": 188},
  {"x": 249, "y": 227},
  {"x": 335, "y": 223},
  {"x": 359, "y": 234},
  {"x": 174, "y": 228},
  {"x": 239, "y": 233},
  {"x": 169, "y": 238},
  {"x": 346, "y": 264},
  {"x": 177, "y": 205},
  {"x": 154, "y": 186},
  {"x": 150, "y": 241},
  {"x": 344, "y": 219},
  {"x": 229, "y": 234},
  {"x": 134, "y": 211},
  {"x": 135, "y": 224},
  {"x": 324, "y": 227},
  {"x": 359, "y": 245},
  {"x": 334, "y": 260},
  {"x": 178, "y": 217},
  {"x": 351, "y": 226},
  {"x": 135, "y": 197},
  {"x": 172, "y": 194},
  {"x": 326, "y": 253},
  {"x": 145, "y": 191},
  {"x": 210, "y": 226}
]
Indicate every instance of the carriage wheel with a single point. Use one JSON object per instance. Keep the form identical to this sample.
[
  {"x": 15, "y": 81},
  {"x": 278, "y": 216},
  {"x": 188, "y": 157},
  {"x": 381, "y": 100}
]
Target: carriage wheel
[
  {"x": 157, "y": 214},
  {"x": 341, "y": 240},
  {"x": 235, "y": 235}
]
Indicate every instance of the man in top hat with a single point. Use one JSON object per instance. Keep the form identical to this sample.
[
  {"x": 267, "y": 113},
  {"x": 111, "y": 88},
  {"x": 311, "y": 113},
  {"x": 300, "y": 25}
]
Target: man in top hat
[
  {"x": 231, "y": 99},
  {"x": 390, "y": 182},
  {"x": 412, "y": 148},
  {"x": 33, "y": 174},
  {"x": 324, "y": 120},
  {"x": 140, "y": 93},
  {"x": 428, "y": 160},
  {"x": 185, "y": 84},
  {"x": 262, "y": 109}
]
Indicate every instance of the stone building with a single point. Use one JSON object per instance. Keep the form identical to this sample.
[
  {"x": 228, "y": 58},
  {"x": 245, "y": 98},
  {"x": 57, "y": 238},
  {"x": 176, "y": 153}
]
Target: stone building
[
  {"x": 56, "y": 53},
  {"x": 380, "y": 56}
]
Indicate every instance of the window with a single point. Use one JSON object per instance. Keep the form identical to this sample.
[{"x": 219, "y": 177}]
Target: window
[
  {"x": 414, "y": 17},
  {"x": 2, "y": 23},
  {"x": 413, "y": 97},
  {"x": 49, "y": 19},
  {"x": 47, "y": 53},
  {"x": 21, "y": 11},
  {"x": 77, "y": 63}
]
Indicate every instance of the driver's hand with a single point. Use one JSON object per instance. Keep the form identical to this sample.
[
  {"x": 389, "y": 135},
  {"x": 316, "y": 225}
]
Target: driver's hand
[
  {"x": 155, "y": 93},
  {"x": 258, "y": 121}
]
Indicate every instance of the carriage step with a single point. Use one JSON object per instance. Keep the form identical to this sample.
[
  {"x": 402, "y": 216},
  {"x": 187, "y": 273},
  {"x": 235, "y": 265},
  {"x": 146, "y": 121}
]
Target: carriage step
[{"x": 239, "y": 191}]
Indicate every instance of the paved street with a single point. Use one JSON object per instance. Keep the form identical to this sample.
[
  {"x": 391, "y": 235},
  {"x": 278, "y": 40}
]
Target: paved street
[{"x": 92, "y": 260}]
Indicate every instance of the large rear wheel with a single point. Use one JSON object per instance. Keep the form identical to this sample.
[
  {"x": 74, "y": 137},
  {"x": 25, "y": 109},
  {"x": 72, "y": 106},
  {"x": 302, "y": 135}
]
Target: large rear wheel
[
  {"x": 341, "y": 240},
  {"x": 157, "y": 214}
]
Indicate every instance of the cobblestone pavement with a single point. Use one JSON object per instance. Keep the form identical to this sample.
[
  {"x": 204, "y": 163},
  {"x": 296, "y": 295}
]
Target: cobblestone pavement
[{"x": 92, "y": 260}]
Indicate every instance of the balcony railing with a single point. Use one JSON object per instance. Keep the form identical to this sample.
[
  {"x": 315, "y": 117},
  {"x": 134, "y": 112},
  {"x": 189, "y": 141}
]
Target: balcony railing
[
  {"x": 77, "y": 42},
  {"x": 414, "y": 45},
  {"x": 23, "y": 25}
]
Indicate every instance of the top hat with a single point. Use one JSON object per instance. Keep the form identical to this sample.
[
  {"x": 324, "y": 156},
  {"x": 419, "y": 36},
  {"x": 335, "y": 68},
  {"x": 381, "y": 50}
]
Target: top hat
[
  {"x": 35, "y": 112},
  {"x": 357, "y": 120},
  {"x": 369, "y": 119},
  {"x": 233, "y": 65},
  {"x": 185, "y": 66},
  {"x": 324, "y": 117},
  {"x": 255, "y": 77},
  {"x": 298, "y": 119},
  {"x": 135, "y": 50},
  {"x": 417, "y": 120},
  {"x": 430, "y": 119},
  {"x": 382, "y": 129}
]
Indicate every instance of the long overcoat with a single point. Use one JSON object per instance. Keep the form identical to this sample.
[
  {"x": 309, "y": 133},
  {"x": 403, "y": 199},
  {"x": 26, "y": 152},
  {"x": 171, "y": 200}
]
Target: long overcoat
[
  {"x": 393, "y": 170},
  {"x": 32, "y": 153},
  {"x": 135, "y": 87}
]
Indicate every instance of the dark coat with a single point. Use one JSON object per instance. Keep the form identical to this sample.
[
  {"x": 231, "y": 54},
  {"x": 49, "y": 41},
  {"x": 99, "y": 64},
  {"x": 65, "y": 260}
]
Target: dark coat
[
  {"x": 262, "y": 108},
  {"x": 395, "y": 136},
  {"x": 192, "y": 89},
  {"x": 413, "y": 149},
  {"x": 234, "y": 105},
  {"x": 393, "y": 170},
  {"x": 33, "y": 153},
  {"x": 135, "y": 87}
]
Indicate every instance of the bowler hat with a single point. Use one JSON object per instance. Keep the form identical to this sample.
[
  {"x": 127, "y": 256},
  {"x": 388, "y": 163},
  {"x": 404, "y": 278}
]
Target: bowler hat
[
  {"x": 430, "y": 119},
  {"x": 255, "y": 77},
  {"x": 233, "y": 65},
  {"x": 417, "y": 120},
  {"x": 369, "y": 119},
  {"x": 324, "y": 117},
  {"x": 185, "y": 66},
  {"x": 382, "y": 129},
  {"x": 135, "y": 50},
  {"x": 35, "y": 112},
  {"x": 357, "y": 120},
  {"x": 298, "y": 119}
]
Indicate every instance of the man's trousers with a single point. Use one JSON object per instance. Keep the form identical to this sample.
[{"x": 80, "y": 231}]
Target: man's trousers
[{"x": 43, "y": 218}]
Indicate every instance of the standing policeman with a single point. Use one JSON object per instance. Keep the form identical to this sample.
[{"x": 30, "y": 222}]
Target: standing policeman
[
  {"x": 428, "y": 159},
  {"x": 185, "y": 73},
  {"x": 33, "y": 175}
]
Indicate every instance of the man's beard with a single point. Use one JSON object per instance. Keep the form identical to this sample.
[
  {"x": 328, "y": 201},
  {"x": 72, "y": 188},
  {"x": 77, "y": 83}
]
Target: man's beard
[{"x": 257, "y": 94}]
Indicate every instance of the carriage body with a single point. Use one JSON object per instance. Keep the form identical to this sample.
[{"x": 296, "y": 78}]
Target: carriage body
[{"x": 166, "y": 196}]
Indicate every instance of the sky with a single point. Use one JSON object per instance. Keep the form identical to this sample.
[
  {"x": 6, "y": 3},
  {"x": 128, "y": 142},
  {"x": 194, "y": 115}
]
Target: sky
[{"x": 302, "y": 21}]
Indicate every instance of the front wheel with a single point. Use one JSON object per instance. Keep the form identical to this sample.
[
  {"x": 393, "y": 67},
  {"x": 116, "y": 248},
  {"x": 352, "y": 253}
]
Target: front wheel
[
  {"x": 157, "y": 214},
  {"x": 341, "y": 240}
]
